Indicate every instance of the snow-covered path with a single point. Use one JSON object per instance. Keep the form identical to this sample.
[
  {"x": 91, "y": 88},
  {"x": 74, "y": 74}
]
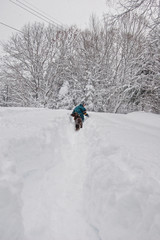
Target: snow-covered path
[
  {"x": 101, "y": 183},
  {"x": 60, "y": 211},
  {"x": 51, "y": 159}
]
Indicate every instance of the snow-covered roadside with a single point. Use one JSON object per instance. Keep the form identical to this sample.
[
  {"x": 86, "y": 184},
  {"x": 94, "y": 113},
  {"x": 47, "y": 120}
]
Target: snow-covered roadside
[
  {"x": 123, "y": 186},
  {"x": 19, "y": 145},
  {"x": 102, "y": 182}
]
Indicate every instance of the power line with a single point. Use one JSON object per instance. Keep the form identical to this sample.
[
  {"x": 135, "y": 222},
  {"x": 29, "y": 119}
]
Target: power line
[
  {"x": 29, "y": 11},
  {"x": 10, "y": 27},
  {"x": 39, "y": 12},
  {"x": 32, "y": 12},
  {"x": 42, "y": 12}
]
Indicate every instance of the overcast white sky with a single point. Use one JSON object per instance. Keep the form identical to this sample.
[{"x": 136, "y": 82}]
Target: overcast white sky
[{"x": 67, "y": 12}]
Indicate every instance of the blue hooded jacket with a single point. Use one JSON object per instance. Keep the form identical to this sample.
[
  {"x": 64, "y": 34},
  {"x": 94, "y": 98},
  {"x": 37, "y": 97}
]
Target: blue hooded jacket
[{"x": 81, "y": 111}]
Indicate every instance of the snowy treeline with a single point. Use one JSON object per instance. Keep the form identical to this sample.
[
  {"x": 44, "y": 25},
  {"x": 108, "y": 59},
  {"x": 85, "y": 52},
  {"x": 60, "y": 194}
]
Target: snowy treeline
[{"x": 114, "y": 65}]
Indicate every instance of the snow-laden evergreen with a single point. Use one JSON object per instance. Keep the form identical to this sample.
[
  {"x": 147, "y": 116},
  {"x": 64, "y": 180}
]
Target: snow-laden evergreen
[{"x": 102, "y": 182}]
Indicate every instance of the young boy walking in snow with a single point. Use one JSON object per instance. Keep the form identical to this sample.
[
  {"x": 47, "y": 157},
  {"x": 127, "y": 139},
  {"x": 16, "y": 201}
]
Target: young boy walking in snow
[{"x": 78, "y": 113}]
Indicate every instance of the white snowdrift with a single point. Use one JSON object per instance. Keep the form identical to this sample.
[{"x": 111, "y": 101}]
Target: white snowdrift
[{"x": 101, "y": 183}]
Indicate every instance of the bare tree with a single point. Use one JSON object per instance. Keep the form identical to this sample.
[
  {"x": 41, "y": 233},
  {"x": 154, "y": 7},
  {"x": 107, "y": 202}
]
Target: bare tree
[
  {"x": 29, "y": 64},
  {"x": 150, "y": 9}
]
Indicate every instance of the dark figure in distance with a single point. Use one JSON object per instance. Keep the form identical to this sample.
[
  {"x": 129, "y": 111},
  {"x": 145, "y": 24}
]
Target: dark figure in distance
[{"x": 78, "y": 114}]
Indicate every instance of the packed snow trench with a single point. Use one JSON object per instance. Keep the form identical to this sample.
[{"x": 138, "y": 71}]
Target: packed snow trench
[{"x": 100, "y": 183}]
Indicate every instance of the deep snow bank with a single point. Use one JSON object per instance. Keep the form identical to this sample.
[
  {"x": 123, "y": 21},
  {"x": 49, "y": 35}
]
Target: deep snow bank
[
  {"x": 123, "y": 185},
  {"x": 102, "y": 182}
]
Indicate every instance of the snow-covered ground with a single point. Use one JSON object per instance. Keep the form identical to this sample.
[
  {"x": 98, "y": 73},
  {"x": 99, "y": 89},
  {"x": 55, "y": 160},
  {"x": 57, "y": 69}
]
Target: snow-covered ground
[{"x": 101, "y": 183}]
